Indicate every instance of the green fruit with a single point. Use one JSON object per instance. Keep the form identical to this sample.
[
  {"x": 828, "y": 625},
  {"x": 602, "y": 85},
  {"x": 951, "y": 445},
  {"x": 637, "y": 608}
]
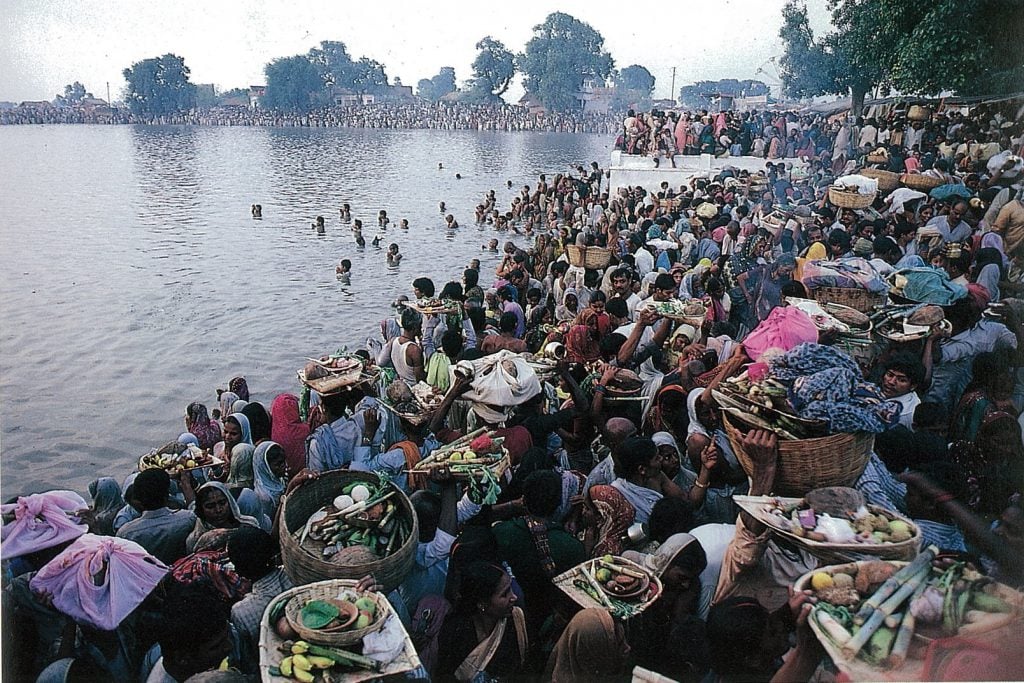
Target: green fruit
[
  {"x": 365, "y": 604},
  {"x": 608, "y": 558},
  {"x": 898, "y": 526},
  {"x": 363, "y": 620},
  {"x": 603, "y": 575}
]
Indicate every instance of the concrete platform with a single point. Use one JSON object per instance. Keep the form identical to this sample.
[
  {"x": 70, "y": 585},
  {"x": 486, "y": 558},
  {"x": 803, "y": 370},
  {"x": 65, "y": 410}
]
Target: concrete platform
[{"x": 631, "y": 170}]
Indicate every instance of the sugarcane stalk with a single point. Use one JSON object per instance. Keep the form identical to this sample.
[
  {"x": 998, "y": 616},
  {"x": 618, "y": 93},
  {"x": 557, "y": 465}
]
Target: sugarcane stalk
[
  {"x": 878, "y": 616},
  {"x": 597, "y": 588},
  {"x": 836, "y": 632},
  {"x": 906, "y": 631},
  {"x": 893, "y": 583},
  {"x": 618, "y": 568}
]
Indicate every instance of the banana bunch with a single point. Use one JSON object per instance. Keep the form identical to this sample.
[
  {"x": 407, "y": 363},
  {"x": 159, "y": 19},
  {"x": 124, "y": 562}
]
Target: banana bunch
[{"x": 307, "y": 659}]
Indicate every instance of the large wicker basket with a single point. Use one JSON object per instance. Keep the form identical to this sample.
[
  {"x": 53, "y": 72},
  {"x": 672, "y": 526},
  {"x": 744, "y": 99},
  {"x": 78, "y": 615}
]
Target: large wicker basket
[
  {"x": 330, "y": 590},
  {"x": 594, "y": 258},
  {"x": 850, "y": 200},
  {"x": 807, "y": 464},
  {"x": 887, "y": 180},
  {"x": 302, "y": 566},
  {"x": 920, "y": 182},
  {"x": 854, "y": 297}
]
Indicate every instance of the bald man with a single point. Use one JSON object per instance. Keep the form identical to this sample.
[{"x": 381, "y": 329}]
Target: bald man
[{"x": 615, "y": 431}]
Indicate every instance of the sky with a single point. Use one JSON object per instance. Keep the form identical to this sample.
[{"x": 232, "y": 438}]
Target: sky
[{"x": 49, "y": 43}]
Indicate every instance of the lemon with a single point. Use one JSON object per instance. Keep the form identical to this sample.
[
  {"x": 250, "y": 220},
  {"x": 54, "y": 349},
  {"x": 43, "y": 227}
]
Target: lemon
[{"x": 821, "y": 580}]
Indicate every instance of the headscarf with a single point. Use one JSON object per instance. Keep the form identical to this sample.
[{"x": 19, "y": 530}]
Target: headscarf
[
  {"x": 106, "y": 502},
  {"x": 590, "y": 649},
  {"x": 289, "y": 430},
  {"x": 562, "y": 312},
  {"x": 267, "y": 485},
  {"x": 615, "y": 516},
  {"x": 198, "y": 422},
  {"x": 993, "y": 240},
  {"x": 259, "y": 421},
  {"x": 238, "y": 405},
  {"x": 389, "y": 329},
  {"x": 41, "y": 521},
  {"x": 239, "y": 386},
  {"x": 227, "y": 399},
  {"x": 202, "y": 526},
  {"x": 249, "y": 505},
  {"x": 189, "y": 439},
  {"x": 243, "y": 423},
  {"x": 665, "y": 439},
  {"x": 240, "y": 472}
]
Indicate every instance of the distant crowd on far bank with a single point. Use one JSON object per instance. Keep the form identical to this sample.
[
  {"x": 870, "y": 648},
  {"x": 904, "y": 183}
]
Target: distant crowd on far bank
[{"x": 416, "y": 115}]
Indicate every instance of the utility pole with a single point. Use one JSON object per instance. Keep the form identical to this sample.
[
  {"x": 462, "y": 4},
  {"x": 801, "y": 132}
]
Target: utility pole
[
  {"x": 108, "y": 94},
  {"x": 672, "y": 92}
]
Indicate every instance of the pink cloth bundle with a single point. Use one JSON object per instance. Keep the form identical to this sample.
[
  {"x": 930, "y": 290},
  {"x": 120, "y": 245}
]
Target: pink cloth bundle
[
  {"x": 99, "y": 580},
  {"x": 784, "y": 328},
  {"x": 41, "y": 521}
]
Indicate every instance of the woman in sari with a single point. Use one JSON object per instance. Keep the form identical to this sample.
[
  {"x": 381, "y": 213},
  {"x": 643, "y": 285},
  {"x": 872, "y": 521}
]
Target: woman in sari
[
  {"x": 592, "y": 647},
  {"x": 269, "y": 482},
  {"x": 607, "y": 516},
  {"x": 569, "y": 308},
  {"x": 226, "y": 400},
  {"x": 198, "y": 423},
  {"x": 216, "y": 514},
  {"x": 288, "y": 430},
  {"x": 107, "y": 501},
  {"x": 769, "y": 290},
  {"x": 740, "y": 276},
  {"x": 581, "y": 341},
  {"x": 240, "y": 387},
  {"x": 484, "y": 638}
]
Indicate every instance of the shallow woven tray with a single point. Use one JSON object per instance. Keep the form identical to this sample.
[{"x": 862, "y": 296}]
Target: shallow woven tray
[
  {"x": 331, "y": 590},
  {"x": 759, "y": 506},
  {"x": 913, "y": 667},
  {"x": 270, "y": 656},
  {"x": 564, "y": 583}
]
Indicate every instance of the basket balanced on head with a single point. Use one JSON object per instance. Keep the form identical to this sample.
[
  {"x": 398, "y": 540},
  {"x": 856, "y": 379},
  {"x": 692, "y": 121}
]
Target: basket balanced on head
[
  {"x": 594, "y": 258},
  {"x": 808, "y": 464},
  {"x": 307, "y": 564}
]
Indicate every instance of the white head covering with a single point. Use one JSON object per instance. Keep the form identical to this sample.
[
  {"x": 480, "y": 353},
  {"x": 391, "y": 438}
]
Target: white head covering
[{"x": 661, "y": 559}]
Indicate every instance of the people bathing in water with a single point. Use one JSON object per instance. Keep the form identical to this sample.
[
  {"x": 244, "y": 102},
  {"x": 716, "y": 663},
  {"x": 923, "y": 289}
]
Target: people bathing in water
[
  {"x": 344, "y": 267},
  {"x": 404, "y": 225},
  {"x": 450, "y": 222},
  {"x": 377, "y": 240},
  {"x": 441, "y": 206},
  {"x": 346, "y": 213},
  {"x": 394, "y": 257},
  {"x": 491, "y": 246},
  {"x": 257, "y": 211},
  {"x": 319, "y": 225},
  {"x": 382, "y": 219}
]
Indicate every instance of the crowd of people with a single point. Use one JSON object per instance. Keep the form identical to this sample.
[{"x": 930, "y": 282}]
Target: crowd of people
[
  {"x": 194, "y": 557},
  {"x": 412, "y": 115},
  {"x": 957, "y": 139}
]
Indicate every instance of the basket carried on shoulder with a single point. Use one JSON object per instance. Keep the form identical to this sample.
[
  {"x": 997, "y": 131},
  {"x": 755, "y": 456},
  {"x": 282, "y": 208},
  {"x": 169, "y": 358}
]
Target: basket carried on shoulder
[
  {"x": 594, "y": 258},
  {"x": 920, "y": 182},
  {"x": 807, "y": 464},
  {"x": 887, "y": 180},
  {"x": 303, "y": 566},
  {"x": 856, "y": 298},
  {"x": 850, "y": 200}
]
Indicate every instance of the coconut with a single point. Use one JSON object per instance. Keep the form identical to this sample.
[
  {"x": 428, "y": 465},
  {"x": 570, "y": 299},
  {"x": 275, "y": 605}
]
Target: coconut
[{"x": 399, "y": 392}]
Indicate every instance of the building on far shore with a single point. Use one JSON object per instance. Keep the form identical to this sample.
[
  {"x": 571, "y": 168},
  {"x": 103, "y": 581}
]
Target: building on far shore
[{"x": 256, "y": 93}]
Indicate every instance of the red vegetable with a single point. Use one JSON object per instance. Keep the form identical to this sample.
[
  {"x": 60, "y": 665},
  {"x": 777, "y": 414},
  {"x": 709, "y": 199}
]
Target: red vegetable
[{"x": 481, "y": 444}]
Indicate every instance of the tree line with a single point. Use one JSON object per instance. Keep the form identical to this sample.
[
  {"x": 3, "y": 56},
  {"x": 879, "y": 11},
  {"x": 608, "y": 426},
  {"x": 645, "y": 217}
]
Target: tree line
[
  {"x": 562, "y": 54},
  {"x": 971, "y": 47}
]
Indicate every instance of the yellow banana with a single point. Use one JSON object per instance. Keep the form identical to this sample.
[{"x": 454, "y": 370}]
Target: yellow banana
[
  {"x": 320, "y": 662},
  {"x": 301, "y": 663},
  {"x": 286, "y": 666},
  {"x": 302, "y": 675}
]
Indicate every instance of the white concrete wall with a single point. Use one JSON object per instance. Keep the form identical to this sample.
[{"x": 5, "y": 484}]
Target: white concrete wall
[{"x": 631, "y": 170}]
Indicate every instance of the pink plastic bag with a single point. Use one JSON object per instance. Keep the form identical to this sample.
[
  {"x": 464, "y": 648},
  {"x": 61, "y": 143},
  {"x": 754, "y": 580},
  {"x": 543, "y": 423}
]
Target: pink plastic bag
[
  {"x": 41, "y": 521},
  {"x": 785, "y": 328},
  {"x": 99, "y": 580}
]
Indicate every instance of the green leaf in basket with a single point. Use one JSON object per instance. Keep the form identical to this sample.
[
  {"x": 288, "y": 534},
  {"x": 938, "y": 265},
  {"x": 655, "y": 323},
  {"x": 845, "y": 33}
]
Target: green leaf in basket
[{"x": 317, "y": 614}]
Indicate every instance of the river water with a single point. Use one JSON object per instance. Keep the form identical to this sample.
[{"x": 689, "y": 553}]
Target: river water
[{"x": 133, "y": 279}]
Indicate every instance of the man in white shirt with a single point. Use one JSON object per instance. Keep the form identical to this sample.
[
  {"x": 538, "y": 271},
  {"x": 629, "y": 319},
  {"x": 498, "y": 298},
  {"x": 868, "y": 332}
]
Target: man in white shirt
[
  {"x": 644, "y": 259},
  {"x": 868, "y": 134},
  {"x": 622, "y": 288}
]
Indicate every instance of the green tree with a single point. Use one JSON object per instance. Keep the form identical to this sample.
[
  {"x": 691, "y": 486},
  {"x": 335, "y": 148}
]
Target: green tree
[
  {"x": 334, "y": 64},
  {"x": 968, "y": 46},
  {"x": 437, "y": 87},
  {"x": 494, "y": 65},
  {"x": 233, "y": 94},
  {"x": 425, "y": 89},
  {"x": 562, "y": 53},
  {"x": 369, "y": 77},
  {"x": 292, "y": 84},
  {"x": 159, "y": 85},
  {"x": 74, "y": 93},
  {"x": 635, "y": 78}
]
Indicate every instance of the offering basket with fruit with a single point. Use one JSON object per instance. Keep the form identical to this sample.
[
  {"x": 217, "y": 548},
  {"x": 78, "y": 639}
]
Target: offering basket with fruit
[{"x": 614, "y": 583}]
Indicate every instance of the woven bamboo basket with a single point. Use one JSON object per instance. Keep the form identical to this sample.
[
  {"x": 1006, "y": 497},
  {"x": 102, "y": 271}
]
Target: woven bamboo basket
[
  {"x": 887, "y": 180},
  {"x": 919, "y": 113},
  {"x": 807, "y": 464},
  {"x": 303, "y": 566},
  {"x": 850, "y": 200},
  {"x": 330, "y": 590},
  {"x": 594, "y": 258},
  {"x": 877, "y": 159},
  {"x": 854, "y": 297},
  {"x": 919, "y": 182}
]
